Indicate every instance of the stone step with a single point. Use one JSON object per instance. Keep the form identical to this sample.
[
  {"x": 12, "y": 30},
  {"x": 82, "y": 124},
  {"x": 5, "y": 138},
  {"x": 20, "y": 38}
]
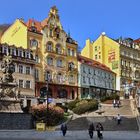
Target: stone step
[{"x": 109, "y": 124}]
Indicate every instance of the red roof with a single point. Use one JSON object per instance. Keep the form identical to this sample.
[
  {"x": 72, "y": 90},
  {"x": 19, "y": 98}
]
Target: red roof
[
  {"x": 32, "y": 22},
  {"x": 93, "y": 63},
  {"x": 137, "y": 40}
]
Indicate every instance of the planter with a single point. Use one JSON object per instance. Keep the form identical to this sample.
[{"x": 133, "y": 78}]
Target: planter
[{"x": 40, "y": 126}]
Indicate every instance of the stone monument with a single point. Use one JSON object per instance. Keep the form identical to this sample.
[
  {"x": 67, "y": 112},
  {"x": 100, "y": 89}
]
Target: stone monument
[{"x": 9, "y": 91}]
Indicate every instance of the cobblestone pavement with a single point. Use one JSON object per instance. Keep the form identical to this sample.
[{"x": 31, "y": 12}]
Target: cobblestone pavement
[{"x": 71, "y": 135}]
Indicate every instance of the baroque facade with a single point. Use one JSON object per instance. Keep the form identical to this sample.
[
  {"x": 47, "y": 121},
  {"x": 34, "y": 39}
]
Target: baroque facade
[{"x": 55, "y": 53}]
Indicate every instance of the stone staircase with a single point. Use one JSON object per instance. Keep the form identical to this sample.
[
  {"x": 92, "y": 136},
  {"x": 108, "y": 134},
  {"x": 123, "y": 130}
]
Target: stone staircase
[{"x": 107, "y": 118}]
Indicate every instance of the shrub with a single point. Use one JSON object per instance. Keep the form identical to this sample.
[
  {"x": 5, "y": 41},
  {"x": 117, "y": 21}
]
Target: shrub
[
  {"x": 52, "y": 116},
  {"x": 86, "y": 107},
  {"x": 111, "y": 97},
  {"x": 72, "y": 104},
  {"x": 81, "y": 102}
]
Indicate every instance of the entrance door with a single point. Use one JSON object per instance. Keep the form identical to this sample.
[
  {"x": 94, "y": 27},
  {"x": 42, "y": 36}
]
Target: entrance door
[
  {"x": 62, "y": 93},
  {"x": 73, "y": 94}
]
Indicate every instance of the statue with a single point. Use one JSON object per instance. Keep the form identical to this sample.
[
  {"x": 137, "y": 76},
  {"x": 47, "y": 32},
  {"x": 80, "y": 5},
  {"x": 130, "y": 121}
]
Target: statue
[{"x": 7, "y": 67}]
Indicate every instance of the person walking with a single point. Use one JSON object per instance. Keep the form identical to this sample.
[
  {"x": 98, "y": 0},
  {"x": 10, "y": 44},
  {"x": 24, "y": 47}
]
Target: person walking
[
  {"x": 114, "y": 103},
  {"x": 64, "y": 129},
  {"x": 118, "y": 119},
  {"x": 99, "y": 129},
  {"x": 90, "y": 130}
]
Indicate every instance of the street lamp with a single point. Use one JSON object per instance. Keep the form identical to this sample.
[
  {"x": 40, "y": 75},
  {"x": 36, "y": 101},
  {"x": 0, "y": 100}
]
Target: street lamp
[{"x": 47, "y": 79}]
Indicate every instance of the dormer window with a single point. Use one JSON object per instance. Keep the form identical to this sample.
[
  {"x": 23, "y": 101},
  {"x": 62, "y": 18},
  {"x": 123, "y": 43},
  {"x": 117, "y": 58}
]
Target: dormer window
[
  {"x": 33, "y": 43},
  {"x": 33, "y": 29}
]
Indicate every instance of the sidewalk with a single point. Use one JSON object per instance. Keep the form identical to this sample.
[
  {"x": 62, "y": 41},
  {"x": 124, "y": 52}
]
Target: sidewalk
[{"x": 74, "y": 135}]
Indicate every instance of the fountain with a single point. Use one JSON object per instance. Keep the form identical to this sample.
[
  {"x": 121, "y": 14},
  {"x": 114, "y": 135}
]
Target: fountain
[
  {"x": 11, "y": 114},
  {"x": 9, "y": 93}
]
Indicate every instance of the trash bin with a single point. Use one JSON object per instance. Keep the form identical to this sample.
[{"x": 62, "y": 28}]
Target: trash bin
[{"x": 40, "y": 126}]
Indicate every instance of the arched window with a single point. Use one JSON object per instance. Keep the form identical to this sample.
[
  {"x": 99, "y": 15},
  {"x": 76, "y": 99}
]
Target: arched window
[
  {"x": 58, "y": 49},
  {"x": 49, "y": 60},
  {"x": 62, "y": 93},
  {"x": 49, "y": 46}
]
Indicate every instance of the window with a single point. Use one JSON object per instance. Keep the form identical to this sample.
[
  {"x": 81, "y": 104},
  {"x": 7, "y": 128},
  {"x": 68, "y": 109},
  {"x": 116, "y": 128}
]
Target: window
[
  {"x": 13, "y": 68},
  {"x": 89, "y": 71},
  {"x": 13, "y": 51},
  {"x": 36, "y": 74},
  {"x": 59, "y": 78},
  {"x": 20, "y": 69},
  {"x": 48, "y": 76},
  {"x": 50, "y": 61},
  {"x": 96, "y": 57},
  {"x": 59, "y": 63},
  {"x": 72, "y": 52},
  {"x": 95, "y": 48},
  {"x": 21, "y": 83},
  {"x": 49, "y": 47},
  {"x": 27, "y": 70},
  {"x": 99, "y": 56},
  {"x": 5, "y": 50},
  {"x": 27, "y": 54},
  {"x": 71, "y": 78},
  {"x": 33, "y": 43},
  {"x": 28, "y": 84},
  {"x": 84, "y": 80},
  {"x": 58, "y": 49},
  {"x": 33, "y": 29},
  {"x": 89, "y": 80},
  {"x": 69, "y": 52},
  {"x": 50, "y": 33},
  {"x": 84, "y": 71},
  {"x": 37, "y": 60},
  {"x": 20, "y": 53}
]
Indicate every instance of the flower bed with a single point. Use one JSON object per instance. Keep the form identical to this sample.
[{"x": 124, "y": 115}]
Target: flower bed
[{"x": 51, "y": 116}]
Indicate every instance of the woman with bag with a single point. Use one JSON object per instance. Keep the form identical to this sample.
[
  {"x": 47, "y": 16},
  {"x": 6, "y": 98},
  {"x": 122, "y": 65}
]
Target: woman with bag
[{"x": 99, "y": 129}]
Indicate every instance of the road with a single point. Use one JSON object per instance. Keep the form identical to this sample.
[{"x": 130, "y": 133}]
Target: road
[{"x": 71, "y": 135}]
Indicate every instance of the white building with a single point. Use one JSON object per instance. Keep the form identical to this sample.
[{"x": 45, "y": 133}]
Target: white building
[{"x": 94, "y": 78}]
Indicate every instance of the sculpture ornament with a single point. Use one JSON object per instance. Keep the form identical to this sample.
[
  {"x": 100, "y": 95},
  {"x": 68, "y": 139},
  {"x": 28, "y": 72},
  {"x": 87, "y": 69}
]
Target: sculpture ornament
[{"x": 7, "y": 67}]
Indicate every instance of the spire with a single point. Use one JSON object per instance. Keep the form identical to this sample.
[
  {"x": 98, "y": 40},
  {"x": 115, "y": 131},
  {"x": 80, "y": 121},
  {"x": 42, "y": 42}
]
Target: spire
[{"x": 68, "y": 33}]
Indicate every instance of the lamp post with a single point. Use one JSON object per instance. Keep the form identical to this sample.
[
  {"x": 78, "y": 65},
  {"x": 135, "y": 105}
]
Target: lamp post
[{"x": 47, "y": 79}]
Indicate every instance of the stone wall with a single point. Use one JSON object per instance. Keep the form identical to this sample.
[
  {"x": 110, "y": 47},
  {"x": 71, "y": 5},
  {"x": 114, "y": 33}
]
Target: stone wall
[{"x": 15, "y": 121}]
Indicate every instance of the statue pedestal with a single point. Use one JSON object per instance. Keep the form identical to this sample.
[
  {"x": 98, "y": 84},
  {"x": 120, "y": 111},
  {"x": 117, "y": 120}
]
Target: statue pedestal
[{"x": 10, "y": 105}]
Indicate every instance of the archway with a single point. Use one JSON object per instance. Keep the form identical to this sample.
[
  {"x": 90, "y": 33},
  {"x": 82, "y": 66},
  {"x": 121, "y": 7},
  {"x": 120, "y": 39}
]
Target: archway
[
  {"x": 62, "y": 93},
  {"x": 43, "y": 92}
]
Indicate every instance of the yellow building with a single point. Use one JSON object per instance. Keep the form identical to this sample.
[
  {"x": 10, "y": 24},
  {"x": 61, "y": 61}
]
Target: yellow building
[
  {"x": 106, "y": 51},
  {"x": 54, "y": 51}
]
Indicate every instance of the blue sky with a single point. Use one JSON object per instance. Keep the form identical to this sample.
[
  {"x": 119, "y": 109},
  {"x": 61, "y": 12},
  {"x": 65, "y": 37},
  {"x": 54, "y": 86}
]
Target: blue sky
[{"x": 83, "y": 18}]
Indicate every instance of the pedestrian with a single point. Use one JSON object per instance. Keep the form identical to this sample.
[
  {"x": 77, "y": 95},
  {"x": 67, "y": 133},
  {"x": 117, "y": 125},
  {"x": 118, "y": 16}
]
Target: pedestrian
[
  {"x": 114, "y": 103},
  {"x": 118, "y": 119},
  {"x": 99, "y": 129},
  {"x": 90, "y": 130},
  {"x": 118, "y": 103},
  {"x": 64, "y": 129}
]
